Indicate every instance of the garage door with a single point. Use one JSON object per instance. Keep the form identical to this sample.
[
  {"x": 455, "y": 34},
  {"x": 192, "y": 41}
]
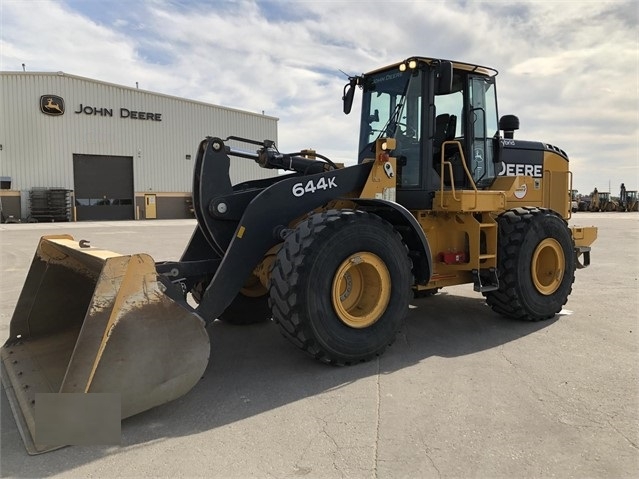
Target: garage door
[{"x": 103, "y": 187}]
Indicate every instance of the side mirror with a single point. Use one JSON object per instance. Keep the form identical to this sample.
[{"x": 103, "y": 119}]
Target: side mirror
[
  {"x": 498, "y": 148},
  {"x": 444, "y": 78},
  {"x": 349, "y": 93}
]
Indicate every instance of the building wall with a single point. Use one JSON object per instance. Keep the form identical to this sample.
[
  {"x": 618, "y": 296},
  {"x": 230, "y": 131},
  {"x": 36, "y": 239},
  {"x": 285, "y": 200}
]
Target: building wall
[{"x": 37, "y": 149}]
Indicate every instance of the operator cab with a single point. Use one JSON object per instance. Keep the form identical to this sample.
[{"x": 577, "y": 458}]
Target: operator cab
[{"x": 431, "y": 106}]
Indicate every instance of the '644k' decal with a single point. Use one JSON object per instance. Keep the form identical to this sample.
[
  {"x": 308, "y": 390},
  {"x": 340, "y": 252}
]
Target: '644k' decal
[{"x": 300, "y": 189}]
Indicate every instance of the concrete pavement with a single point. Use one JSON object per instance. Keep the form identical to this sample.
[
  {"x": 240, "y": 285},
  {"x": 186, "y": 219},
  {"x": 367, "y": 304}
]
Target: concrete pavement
[{"x": 462, "y": 392}]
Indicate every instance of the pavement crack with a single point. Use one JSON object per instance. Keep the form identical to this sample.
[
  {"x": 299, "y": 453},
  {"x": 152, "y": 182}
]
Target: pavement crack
[
  {"x": 336, "y": 451},
  {"x": 632, "y": 443},
  {"x": 503, "y": 355},
  {"x": 432, "y": 463},
  {"x": 427, "y": 453},
  {"x": 377, "y": 409}
]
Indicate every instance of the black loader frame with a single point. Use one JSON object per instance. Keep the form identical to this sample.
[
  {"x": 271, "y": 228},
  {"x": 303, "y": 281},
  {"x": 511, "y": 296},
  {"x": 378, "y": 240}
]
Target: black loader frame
[{"x": 238, "y": 225}]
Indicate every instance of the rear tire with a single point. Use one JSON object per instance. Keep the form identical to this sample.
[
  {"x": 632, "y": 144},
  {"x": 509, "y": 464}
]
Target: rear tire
[
  {"x": 243, "y": 310},
  {"x": 341, "y": 286},
  {"x": 536, "y": 264}
]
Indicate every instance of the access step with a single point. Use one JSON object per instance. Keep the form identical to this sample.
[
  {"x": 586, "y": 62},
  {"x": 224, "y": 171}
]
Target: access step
[{"x": 485, "y": 280}]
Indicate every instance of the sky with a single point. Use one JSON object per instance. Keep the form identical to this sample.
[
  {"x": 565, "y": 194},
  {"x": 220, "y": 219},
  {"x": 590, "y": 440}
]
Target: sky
[{"x": 567, "y": 69}]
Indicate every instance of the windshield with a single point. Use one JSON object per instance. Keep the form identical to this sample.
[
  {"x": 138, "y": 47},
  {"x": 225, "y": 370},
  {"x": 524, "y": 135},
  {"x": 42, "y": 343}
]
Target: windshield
[
  {"x": 391, "y": 108},
  {"x": 385, "y": 111}
]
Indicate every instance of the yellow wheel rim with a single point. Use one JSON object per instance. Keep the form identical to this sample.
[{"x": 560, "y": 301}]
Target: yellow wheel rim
[
  {"x": 361, "y": 290},
  {"x": 548, "y": 266}
]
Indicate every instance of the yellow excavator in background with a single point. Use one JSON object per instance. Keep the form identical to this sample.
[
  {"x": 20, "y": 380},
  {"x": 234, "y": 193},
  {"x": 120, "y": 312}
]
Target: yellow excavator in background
[{"x": 334, "y": 255}]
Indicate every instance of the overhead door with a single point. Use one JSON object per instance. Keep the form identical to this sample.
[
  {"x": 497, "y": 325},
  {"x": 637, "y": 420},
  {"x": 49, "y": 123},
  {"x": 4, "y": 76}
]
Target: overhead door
[{"x": 103, "y": 187}]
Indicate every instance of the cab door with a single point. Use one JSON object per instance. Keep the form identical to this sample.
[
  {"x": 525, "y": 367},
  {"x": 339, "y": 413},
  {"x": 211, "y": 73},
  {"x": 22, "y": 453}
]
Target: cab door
[{"x": 483, "y": 128}]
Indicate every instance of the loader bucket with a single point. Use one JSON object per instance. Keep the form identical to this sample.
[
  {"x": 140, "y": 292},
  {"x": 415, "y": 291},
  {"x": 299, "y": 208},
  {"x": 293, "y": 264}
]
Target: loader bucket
[{"x": 92, "y": 321}]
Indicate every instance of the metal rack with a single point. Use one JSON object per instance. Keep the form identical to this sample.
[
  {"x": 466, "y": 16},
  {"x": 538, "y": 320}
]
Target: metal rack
[{"x": 50, "y": 204}]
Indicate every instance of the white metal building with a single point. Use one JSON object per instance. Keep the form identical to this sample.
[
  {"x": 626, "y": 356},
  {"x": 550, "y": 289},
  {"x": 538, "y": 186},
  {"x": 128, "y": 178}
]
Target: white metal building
[{"x": 114, "y": 152}]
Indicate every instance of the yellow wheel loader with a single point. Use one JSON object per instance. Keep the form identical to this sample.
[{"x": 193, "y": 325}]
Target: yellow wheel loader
[{"x": 334, "y": 255}]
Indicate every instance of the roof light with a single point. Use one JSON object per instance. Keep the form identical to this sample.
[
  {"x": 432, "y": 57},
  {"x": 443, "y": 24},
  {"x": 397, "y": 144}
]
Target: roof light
[{"x": 412, "y": 64}]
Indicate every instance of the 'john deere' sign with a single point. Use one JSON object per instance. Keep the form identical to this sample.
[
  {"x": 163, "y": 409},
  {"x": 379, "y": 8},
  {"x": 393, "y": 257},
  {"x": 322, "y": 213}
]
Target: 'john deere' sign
[
  {"x": 54, "y": 105},
  {"x": 124, "y": 113}
]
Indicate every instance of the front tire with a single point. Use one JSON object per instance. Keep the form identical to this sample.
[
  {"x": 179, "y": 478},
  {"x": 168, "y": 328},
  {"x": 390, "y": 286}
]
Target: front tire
[
  {"x": 536, "y": 264},
  {"x": 341, "y": 286}
]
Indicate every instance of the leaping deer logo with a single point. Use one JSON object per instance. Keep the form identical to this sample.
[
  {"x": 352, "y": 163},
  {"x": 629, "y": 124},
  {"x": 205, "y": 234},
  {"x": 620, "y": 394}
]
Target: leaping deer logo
[{"x": 51, "y": 105}]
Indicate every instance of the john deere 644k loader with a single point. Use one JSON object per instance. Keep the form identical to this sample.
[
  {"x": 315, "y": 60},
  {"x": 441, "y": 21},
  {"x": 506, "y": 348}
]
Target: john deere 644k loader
[{"x": 332, "y": 254}]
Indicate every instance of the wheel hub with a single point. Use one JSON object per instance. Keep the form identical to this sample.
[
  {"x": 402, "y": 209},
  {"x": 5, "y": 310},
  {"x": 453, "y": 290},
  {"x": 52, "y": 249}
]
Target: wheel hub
[
  {"x": 361, "y": 290},
  {"x": 548, "y": 266}
]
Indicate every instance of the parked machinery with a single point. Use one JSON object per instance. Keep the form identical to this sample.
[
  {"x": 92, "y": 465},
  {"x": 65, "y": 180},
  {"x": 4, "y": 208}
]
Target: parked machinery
[
  {"x": 605, "y": 202},
  {"x": 631, "y": 203}
]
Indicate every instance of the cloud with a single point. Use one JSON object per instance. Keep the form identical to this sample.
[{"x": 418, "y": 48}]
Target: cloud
[{"x": 567, "y": 69}]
